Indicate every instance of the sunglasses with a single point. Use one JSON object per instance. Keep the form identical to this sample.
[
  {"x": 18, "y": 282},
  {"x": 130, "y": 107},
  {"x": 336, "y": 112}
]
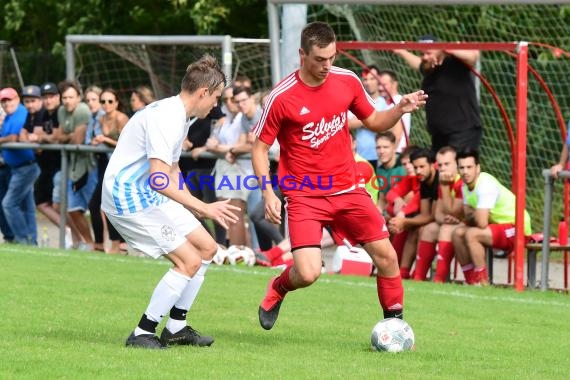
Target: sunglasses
[{"x": 108, "y": 101}]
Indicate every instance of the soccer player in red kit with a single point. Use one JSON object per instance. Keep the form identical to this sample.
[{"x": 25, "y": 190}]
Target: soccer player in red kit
[{"x": 307, "y": 113}]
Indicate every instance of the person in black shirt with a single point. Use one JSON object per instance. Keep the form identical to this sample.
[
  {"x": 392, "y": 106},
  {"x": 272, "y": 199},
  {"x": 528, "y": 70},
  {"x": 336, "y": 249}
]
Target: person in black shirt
[
  {"x": 452, "y": 111},
  {"x": 39, "y": 124}
]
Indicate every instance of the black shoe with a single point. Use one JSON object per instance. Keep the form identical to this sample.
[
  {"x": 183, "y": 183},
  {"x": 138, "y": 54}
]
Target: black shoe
[
  {"x": 186, "y": 336},
  {"x": 267, "y": 318},
  {"x": 269, "y": 308},
  {"x": 145, "y": 341}
]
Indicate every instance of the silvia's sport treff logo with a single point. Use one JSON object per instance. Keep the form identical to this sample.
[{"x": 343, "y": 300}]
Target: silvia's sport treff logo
[{"x": 323, "y": 130}]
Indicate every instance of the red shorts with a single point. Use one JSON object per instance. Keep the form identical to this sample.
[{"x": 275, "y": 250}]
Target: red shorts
[
  {"x": 503, "y": 236},
  {"x": 352, "y": 216}
]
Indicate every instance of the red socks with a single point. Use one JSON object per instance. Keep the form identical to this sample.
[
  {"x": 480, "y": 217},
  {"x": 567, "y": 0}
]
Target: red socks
[
  {"x": 282, "y": 285},
  {"x": 444, "y": 257},
  {"x": 404, "y": 273},
  {"x": 390, "y": 295},
  {"x": 273, "y": 253},
  {"x": 426, "y": 253},
  {"x": 481, "y": 275},
  {"x": 468, "y": 273}
]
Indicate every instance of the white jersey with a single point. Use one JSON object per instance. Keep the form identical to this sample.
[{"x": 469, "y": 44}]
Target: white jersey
[{"x": 157, "y": 131}]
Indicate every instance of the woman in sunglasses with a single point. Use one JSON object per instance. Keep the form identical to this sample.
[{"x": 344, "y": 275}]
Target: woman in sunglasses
[{"x": 112, "y": 123}]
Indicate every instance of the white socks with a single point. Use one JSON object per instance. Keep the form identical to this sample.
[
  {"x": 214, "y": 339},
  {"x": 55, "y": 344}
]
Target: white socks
[
  {"x": 187, "y": 298},
  {"x": 165, "y": 295}
]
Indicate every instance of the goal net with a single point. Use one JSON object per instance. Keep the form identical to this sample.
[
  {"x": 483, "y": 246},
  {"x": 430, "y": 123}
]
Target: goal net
[
  {"x": 125, "y": 62},
  {"x": 539, "y": 24}
]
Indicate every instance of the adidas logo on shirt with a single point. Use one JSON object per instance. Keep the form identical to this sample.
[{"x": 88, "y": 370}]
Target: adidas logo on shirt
[{"x": 304, "y": 111}]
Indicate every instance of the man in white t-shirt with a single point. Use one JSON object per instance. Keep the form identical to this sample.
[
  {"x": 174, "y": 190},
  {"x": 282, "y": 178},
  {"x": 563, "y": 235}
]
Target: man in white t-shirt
[
  {"x": 388, "y": 89},
  {"x": 145, "y": 198}
]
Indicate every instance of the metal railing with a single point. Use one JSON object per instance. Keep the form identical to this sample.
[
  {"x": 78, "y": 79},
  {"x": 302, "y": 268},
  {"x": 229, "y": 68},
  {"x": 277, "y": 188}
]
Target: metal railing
[
  {"x": 63, "y": 148},
  {"x": 548, "y": 192}
]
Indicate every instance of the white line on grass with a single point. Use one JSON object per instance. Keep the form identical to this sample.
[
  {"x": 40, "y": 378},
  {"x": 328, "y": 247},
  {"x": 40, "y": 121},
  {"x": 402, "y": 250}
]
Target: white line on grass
[{"x": 463, "y": 293}]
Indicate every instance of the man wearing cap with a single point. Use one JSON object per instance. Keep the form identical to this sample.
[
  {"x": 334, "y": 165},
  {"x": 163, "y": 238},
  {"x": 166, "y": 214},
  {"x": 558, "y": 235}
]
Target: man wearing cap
[
  {"x": 38, "y": 125},
  {"x": 452, "y": 112},
  {"x": 18, "y": 202}
]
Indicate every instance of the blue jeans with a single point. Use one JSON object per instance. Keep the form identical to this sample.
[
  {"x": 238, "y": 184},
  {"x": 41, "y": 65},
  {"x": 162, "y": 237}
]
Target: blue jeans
[
  {"x": 19, "y": 206},
  {"x": 4, "y": 226}
]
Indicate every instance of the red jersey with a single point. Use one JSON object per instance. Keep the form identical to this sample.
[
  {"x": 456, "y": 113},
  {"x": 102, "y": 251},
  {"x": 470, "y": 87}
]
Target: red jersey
[
  {"x": 311, "y": 126},
  {"x": 400, "y": 190},
  {"x": 456, "y": 188}
]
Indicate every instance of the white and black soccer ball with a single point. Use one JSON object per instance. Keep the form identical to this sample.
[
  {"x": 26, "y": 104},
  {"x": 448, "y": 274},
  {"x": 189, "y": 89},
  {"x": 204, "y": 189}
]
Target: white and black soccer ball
[
  {"x": 392, "y": 335},
  {"x": 239, "y": 254}
]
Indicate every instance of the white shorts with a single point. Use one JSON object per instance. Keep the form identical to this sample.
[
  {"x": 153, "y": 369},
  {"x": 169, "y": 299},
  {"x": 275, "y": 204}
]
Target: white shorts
[
  {"x": 157, "y": 231},
  {"x": 232, "y": 181}
]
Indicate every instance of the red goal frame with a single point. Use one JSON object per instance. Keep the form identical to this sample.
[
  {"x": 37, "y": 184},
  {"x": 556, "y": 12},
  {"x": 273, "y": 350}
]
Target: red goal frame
[{"x": 518, "y": 142}]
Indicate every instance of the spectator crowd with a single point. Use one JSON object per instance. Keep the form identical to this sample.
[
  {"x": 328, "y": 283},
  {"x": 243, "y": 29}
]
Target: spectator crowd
[{"x": 439, "y": 204}]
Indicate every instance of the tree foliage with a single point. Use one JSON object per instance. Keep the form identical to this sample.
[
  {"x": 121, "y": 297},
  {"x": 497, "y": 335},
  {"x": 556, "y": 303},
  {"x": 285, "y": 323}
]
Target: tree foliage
[{"x": 36, "y": 28}]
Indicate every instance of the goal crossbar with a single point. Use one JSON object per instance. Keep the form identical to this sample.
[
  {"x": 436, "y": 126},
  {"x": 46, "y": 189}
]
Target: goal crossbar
[{"x": 422, "y": 46}]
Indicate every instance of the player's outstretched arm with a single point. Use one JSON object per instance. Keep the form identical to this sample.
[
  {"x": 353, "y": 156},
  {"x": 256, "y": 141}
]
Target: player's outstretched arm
[
  {"x": 380, "y": 121},
  {"x": 166, "y": 180},
  {"x": 260, "y": 159}
]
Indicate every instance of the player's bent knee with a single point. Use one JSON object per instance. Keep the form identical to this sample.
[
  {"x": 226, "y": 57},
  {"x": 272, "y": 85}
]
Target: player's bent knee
[
  {"x": 308, "y": 275},
  {"x": 459, "y": 233},
  {"x": 473, "y": 234},
  {"x": 209, "y": 251},
  {"x": 429, "y": 232}
]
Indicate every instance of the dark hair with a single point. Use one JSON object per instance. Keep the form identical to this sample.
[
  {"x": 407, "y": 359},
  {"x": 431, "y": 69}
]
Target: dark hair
[
  {"x": 423, "y": 153},
  {"x": 240, "y": 89},
  {"x": 318, "y": 34},
  {"x": 408, "y": 151},
  {"x": 369, "y": 69},
  {"x": 243, "y": 78},
  {"x": 387, "y": 135},
  {"x": 392, "y": 74},
  {"x": 466, "y": 153},
  {"x": 447, "y": 149},
  {"x": 203, "y": 73},
  {"x": 120, "y": 106},
  {"x": 67, "y": 84}
]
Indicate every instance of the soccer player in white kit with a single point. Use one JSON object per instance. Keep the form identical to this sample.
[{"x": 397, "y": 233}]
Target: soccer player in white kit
[{"x": 145, "y": 199}]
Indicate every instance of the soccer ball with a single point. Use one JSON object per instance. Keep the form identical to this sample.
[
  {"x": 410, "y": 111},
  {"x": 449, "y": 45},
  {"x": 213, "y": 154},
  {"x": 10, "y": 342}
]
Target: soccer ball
[
  {"x": 240, "y": 255},
  {"x": 392, "y": 335}
]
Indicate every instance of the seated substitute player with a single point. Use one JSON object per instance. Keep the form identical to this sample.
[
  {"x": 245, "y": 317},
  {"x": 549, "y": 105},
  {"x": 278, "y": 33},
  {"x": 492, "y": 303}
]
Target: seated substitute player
[
  {"x": 307, "y": 113},
  {"x": 489, "y": 210},
  {"x": 403, "y": 199},
  {"x": 142, "y": 199},
  {"x": 424, "y": 165},
  {"x": 448, "y": 215}
]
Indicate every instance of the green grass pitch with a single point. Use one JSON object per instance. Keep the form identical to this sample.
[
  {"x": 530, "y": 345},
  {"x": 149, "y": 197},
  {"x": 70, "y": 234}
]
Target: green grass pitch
[{"x": 66, "y": 314}]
